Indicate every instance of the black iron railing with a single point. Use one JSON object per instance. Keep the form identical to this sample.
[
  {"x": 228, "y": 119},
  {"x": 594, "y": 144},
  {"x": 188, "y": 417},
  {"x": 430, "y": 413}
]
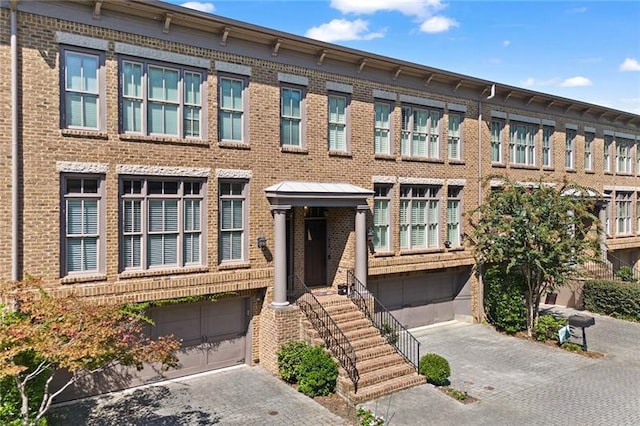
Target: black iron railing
[
  {"x": 601, "y": 270},
  {"x": 612, "y": 269},
  {"x": 619, "y": 264},
  {"x": 390, "y": 328},
  {"x": 333, "y": 337}
]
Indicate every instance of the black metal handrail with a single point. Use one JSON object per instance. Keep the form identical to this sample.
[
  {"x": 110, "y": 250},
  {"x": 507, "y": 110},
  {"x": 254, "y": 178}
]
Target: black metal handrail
[
  {"x": 390, "y": 328},
  {"x": 602, "y": 270},
  {"x": 621, "y": 263},
  {"x": 334, "y": 338}
]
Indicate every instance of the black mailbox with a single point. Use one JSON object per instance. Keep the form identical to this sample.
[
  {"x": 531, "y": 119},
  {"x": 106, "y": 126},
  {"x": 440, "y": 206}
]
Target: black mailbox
[{"x": 582, "y": 321}]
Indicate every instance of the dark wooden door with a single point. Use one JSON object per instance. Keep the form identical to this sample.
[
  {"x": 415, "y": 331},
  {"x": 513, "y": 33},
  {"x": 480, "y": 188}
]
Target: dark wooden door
[{"x": 315, "y": 252}]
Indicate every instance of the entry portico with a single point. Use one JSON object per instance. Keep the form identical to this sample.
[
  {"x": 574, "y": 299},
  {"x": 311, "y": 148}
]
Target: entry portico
[{"x": 288, "y": 194}]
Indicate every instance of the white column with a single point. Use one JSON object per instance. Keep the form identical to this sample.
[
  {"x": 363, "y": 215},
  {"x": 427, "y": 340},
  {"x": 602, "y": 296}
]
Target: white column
[
  {"x": 361, "y": 244},
  {"x": 280, "y": 256},
  {"x": 602, "y": 217}
]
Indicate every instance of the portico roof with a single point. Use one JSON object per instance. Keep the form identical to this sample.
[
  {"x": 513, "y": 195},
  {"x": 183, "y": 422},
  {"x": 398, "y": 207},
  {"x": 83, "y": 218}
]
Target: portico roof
[{"x": 317, "y": 194}]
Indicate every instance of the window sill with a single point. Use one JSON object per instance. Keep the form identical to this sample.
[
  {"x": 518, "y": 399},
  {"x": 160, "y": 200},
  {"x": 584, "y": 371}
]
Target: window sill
[
  {"x": 423, "y": 159},
  {"x": 383, "y": 254},
  {"x": 523, "y": 166},
  {"x": 160, "y": 272},
  {"x": 571, "y": 171},
  {"x": 234, "y": 145},
  {"x": 422, "y": 251},
  {"x": 75, "y": 279},
  {"x": 623, "y": 174},
  {"x": 387, "y": 157},
  {"x": 498, "y": 165},
  {"x": 454, "y": 162},
  {"x": 456, "y": 248},
  {"x": 88, "y": 134},
  {"x": 238, "y": 265},
  {"x": 294, "y": 150},
  {"x": 590, "y": 172},
  {"x": 162, "y": 139},
  {"x": 344, "y": 154},
  {"x": 608, "y": 173},
  {"x": 548, "y": 169}
]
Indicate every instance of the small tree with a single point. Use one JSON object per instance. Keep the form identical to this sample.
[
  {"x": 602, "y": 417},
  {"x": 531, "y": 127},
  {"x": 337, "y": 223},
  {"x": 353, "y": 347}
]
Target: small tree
[
  {"x": 45, "y": 334},
  {"x": 541, "y": 233}
]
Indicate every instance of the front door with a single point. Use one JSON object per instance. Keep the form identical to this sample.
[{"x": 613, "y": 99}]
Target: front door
[{"x": 315, "y": 252}]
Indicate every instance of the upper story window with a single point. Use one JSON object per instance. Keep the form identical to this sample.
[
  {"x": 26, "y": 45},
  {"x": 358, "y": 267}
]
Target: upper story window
[
  {"x": 232, "y": 221},
  {"x": 161, "y": 100},
  {"x": 588, "y": 151},
  {"x": 570, "y": 149},
  {"x": 623, "y": 213},
  {"x": 623, "y": 156},
  {"x": 455, "y": 136},
  {"x": 419, "y": 216},
  {"x": 83, "y": 225},
  {"x": 382, "y": 128},
  {"x": 453, "y": 215},
  {"x": 381, "y": 217},
  {"x": 547, "y": 146},
  {"x": 161, "y": 223},
  {"x": 83, "y": 86},
  {"x": 232, "y": 109},
  {"x": 420, "y": 132},
  {"x": 522, "y": 145},
  {"x": 608, "y": 142},
  {"x": 338, "y": 122},
  {"x": 496, "y": 141},
  {"x": 291, "y": 114}
]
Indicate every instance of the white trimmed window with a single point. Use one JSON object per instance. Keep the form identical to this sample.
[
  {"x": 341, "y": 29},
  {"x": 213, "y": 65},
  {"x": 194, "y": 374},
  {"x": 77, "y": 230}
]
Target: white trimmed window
[
  {"x": 607, "y": 223},
  {"x": 453, "y": 215},
  {"x": 623, "y": 156},
  {"x": 161, "y": 100},
  {"x": 83, "y": 225},
  {"x": 496, "y": 141},
  {"x": 232, "y": 220},
  {"x": 455, "y": 136},
  {"x": 420, "y": 132},
  {"x": 623, "y": 213},
  {"x": 338, "y": 122},
  {"x": 547, "y": 146},
  {"x": 162, "y": 222},
  {"x": 83, "y": 87},
  {"x": 588, "y": 151},
  {"x": 570, "y": 149},
  {"x": 381, "y": 218},
  {"x": 608, "y": 141},
  {"x": 382, "y": 128},
  {"x": 522, "y": 145},
  {"x": 419, "y": 217},
  {"x": 231, "y": 109},
  {"x": 291, "y": 113}
]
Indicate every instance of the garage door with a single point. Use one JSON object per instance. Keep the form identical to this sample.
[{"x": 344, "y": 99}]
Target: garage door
[
  {"x": 420, "y": 300},
  {"x": 213, "y": 334}
]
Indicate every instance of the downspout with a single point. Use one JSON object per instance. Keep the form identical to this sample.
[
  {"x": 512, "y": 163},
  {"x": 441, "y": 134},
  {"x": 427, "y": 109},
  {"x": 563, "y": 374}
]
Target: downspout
[{"x": 15, "y": 227}]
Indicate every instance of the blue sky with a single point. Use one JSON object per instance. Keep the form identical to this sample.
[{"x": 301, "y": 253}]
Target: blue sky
[{"x": 586, "y": 50}]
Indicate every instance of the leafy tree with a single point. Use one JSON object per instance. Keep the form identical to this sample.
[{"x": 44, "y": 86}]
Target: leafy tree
[
  {"x": 44, "y": 334},
  {"x": 541, "y": 233}
]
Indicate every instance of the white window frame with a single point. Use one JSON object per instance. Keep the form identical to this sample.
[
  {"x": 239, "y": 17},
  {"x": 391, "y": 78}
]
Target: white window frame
[
  {"x": 607, "y": 223},
  {"x": 454, "y": 200},
  {"x": 382, "y": 222},
  {"x": 624, "y": 213},
  {"x": 339, "y": 124},
  {"x": 243, "y": 196},
  {"x": 290, "y": 118},
  {"x": 624, "y": 159},
  {"x": 589, "y": 137},
  {"x": 496, "y": 141},
  {"x": 455, "y": 138},
  {"x": 82, "y": 196},
  {"x": 137, "y": 189},
  {"x": 98, "y": 93},
  {"x": 243, "y": 137},
  {"x": 412, "y": 136},
  {"x": 526, "y": 147},
  {"x": 570, "y": 149},
  {"x": 608, "y": 143},
  {"x": 547, "y": 146},
  {"x": 382, "y": 129},
  {"x": 411, "y": 196}
]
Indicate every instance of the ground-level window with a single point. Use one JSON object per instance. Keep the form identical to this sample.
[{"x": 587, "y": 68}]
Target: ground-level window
[{"x": 232, "y": 221}]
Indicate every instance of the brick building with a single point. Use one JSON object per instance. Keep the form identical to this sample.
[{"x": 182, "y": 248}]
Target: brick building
[{"x": 152, "y": 152}]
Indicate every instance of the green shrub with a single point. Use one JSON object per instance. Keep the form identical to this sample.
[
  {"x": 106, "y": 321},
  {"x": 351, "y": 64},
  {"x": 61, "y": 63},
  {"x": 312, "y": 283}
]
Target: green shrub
[
  {"x": 435, "y": 368},
  {"x": 625, "y": 273},
  {"x": 389, "y": 333},
  {"x": 614, "y": 298},
  {"x": 368, "y": 418},
  {"x": 317, "y": 372},
  {"x": 547, "y": 327},
  {"x": 504, "y": 300},
  {"x": 289, "y": 357}
]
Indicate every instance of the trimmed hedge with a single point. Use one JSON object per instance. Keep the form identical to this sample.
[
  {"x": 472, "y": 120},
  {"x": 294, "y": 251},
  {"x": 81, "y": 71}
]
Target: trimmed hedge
[
  {"x": 435, "y": 368},
  {"x": 614, "y": 298},
  {"x": 504, "y": 300},
  {"x": 310, "y": 366}
]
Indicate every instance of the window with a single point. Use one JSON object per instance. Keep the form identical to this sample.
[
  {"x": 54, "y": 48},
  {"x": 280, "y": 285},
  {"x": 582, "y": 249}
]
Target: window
[
  {"x": 161, "y": 100},
  {"x": 83, "y": 101},
  {"x": 623, "y": 213},
  {"x": 588, "y": 150},
  {"x": 608, "y": 141},
  {"x": 607, "y": 224},
  {"x": 522, "y": 146},
  {"x": 337, "y": 123},
  {"x": 291, "y": 117},
  {"x": 382, "y": 128},
  {"x": 381, "y": 217},
  {"x": 547, "y": 146},
  {"x": 453, "y": 215},
  {"x": 231, "y": 109},
  {"x": 420, "y": 132},
  {"x": 496, "y": 141},
  {"x": 83, "y": 225},
  {"x": 232, "y": 207},
  {"x": 161, "y": 223},
  {"x": 419, "y": 214},
  {"x": 455, "y": 136},
  {"x": 623, "y": 156},
  {"x": 570, "y": 150}
]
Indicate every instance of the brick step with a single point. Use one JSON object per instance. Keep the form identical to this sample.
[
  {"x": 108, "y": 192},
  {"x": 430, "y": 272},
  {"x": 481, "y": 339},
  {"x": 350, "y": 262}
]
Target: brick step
[
  {"x": 340, "y": 308},
  {"x": 385, "y": 361},
  {"x": 377, "y": 376},
  {"x": 368, "y": 342},
  {"x": 374, "y": 351},
  {"x": 362, "y": 333},
  {"x": 367, "y": 393},
  {"x": 357, "y": 324},
  {"x": 348, "y": 316}
]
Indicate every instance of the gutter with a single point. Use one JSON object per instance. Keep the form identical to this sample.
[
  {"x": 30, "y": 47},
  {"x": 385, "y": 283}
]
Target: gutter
[{"x": 15, "y": 149}]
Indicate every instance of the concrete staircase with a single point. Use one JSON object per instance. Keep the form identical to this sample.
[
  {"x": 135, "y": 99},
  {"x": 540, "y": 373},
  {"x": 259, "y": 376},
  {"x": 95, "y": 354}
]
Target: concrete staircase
[{"x": 382, "y": 370}]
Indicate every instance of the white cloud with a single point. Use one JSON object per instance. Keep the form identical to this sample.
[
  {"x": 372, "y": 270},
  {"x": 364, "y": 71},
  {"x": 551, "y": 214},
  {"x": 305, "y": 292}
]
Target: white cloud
[
  {"x": 202, "y": 7},
  {"x": 438, "y": 24},
  {"x": 506, "y": 43},
  {"x": 343, "y": 29},
  {"x": 531, "y": 82},
  {"x": 630, "y": 64},
  {"x": 577, "y": 81},
  {"x": 419, "y": 8}
]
